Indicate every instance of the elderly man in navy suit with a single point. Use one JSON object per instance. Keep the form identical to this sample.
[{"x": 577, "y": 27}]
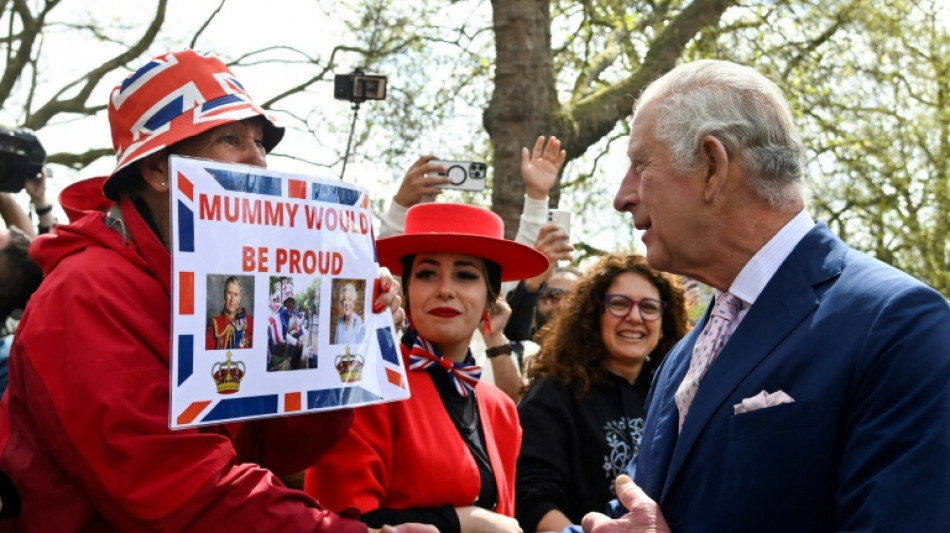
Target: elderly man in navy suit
[{"x": 815, "y": 394}]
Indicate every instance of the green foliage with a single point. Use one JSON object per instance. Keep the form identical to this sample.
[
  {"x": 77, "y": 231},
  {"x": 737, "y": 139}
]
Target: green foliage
[
  {"x": 869, "y": 83},
  {"x": 438, "y": 59},
  {"x": 873, "y": 104}
]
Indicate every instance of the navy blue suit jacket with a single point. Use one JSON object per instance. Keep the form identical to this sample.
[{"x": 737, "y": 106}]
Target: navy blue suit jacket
[{"x": 864, "y": 350}]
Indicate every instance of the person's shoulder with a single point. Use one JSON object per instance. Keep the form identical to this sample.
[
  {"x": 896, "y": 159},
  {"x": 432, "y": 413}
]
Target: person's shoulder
[
  {"x": 546, "y": 389},
  {"x": 869, "y": 278},
  {"x": 547, "y": 384},
  {"x": 866, "y": 282},
  {"x": 99, "y": 271}
]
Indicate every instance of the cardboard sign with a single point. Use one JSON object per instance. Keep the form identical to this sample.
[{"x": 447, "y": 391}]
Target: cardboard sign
[{"x": 272, "y": 300}]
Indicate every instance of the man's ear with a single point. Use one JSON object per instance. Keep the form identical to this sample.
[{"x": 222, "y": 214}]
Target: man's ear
[
  {"x": 154, "y": 170},
  {"x": 717, "y": 166}
]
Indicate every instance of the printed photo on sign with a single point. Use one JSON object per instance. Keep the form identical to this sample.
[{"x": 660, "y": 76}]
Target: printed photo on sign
[
  {"x": 347, "y": 315},
  {"x": 271, "y": 276},
  {"x": 230, "y": 324},
  {"x": 290, "y": 343}
]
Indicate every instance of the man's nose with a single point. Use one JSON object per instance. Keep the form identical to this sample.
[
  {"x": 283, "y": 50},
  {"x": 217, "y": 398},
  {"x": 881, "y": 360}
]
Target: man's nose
[{"x": 628, "y": 194}]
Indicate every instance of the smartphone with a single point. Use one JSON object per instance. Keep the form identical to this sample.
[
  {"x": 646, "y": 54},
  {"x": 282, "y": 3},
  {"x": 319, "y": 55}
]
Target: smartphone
[
  {"x": 465, "y": 175},
  {"x": 561, "y": 218}
]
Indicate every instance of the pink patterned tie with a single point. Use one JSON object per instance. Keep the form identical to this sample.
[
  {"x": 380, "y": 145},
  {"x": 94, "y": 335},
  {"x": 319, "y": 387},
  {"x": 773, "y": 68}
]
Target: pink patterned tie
[{"x": 710, "y": 342}]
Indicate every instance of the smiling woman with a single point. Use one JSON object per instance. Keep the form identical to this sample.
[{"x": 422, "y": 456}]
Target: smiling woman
[
  {"x": 584, "y": 410},
  {"x": 455, "y": 441}
]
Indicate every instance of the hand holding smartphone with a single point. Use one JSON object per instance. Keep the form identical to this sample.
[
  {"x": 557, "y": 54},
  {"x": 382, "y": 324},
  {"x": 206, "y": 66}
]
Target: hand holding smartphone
[
  {"x": 465, "y": 175},
  {"x": 561, "y": 218}
]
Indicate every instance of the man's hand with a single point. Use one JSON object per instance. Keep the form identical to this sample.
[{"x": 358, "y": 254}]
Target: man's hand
[
  {"x": 539, "y": 169},
  {"x": 644, "y": 515},
  {"x": 416, "y": 186}
]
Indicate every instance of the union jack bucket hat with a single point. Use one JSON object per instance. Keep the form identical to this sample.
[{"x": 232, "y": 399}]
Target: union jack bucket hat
[{"x": 175, "y": 96}]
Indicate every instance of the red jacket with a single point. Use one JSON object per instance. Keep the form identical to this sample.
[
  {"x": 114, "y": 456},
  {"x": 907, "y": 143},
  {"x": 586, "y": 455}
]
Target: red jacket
[
  {"x": 409, "y": 454},
  {"x": 84, "y": 423}
]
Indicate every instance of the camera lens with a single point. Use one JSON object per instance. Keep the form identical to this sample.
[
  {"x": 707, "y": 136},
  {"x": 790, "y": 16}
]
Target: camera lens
[{"x": 477, "y": 171}]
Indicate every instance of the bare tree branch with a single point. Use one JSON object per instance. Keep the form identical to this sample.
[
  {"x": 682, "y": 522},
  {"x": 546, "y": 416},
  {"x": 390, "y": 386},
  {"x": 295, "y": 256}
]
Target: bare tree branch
[
  {"x": 88, "y": 82},
  {"x": 81, "y": 160},
  {"x": 205, "y": 25}
]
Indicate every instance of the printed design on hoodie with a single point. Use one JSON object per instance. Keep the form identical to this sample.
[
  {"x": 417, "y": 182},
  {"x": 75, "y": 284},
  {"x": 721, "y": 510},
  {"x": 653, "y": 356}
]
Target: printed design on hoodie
[{"x": 623, "y": 439}]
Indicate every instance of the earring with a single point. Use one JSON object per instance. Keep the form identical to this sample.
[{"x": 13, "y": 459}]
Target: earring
[
  {"x": 487, "y": 319},
  {"x": 164, "y": 184}
]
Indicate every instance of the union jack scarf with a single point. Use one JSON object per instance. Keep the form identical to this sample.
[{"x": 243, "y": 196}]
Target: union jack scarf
[{"x": 464, "y": 375}]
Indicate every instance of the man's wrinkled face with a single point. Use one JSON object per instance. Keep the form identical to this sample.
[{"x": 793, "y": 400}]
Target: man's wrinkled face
[
  {"x": 663, "y": 203},
  {"x": 232, "y": 298}
]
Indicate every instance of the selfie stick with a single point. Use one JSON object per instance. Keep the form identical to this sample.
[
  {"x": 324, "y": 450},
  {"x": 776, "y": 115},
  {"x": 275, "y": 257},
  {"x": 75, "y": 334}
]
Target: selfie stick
[{"x": 356, "y": 109}]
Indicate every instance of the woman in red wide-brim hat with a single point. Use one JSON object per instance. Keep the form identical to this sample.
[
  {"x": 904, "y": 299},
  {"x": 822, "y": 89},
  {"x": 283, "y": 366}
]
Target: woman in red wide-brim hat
[{"x": 446, "y": 456}]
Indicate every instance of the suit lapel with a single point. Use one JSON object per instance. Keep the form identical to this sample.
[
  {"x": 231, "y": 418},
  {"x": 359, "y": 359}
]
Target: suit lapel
[
  {"x": 784, "y": 303},
  {"x": 663, "y": 418}
]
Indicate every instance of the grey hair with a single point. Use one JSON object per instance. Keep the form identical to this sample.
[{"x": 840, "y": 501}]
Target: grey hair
[
  {"x": 741, "y": 108},
  {"x": 347, "y": 287}
]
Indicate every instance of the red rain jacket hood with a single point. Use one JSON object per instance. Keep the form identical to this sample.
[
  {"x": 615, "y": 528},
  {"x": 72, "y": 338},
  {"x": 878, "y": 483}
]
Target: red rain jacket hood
[{"x": 84, "y": 424}]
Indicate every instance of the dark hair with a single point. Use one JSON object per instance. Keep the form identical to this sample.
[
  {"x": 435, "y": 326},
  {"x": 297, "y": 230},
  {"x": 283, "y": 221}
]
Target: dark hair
[
  {"x": 21, "y": 276},
  {"x": 572, "y": 349},
  {"x": 493, "y": 281}
]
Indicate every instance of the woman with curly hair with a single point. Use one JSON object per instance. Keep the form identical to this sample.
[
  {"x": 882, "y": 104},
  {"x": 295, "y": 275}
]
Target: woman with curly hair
[{"x": 583, "y": 413}]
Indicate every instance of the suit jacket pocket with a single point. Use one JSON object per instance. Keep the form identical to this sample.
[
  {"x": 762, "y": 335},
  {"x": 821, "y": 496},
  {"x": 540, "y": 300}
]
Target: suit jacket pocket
[{"x": 784, "y": 418}]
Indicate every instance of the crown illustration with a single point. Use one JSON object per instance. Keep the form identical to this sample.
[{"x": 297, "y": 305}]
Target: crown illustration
[
  {"x": 228, "y": 375},
  {"x": 349, "y": 366}
]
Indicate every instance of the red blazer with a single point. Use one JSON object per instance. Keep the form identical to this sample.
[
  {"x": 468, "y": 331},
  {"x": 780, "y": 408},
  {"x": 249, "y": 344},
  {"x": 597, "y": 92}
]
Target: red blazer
[{"x": 409, "y": 454}]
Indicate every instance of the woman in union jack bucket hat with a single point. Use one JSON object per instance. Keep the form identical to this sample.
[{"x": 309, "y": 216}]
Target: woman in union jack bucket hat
[{"x": 87, "y": 406}]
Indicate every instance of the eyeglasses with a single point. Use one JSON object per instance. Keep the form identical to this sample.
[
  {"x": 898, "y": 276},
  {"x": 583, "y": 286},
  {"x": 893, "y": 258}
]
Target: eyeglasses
[
  {"x": 554, "y": 295},
  {"x": 620, "y": 306}
]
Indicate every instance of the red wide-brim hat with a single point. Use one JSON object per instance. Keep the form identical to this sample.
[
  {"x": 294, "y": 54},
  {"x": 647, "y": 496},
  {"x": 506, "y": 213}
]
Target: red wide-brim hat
[{"x": 444, "y": 227}]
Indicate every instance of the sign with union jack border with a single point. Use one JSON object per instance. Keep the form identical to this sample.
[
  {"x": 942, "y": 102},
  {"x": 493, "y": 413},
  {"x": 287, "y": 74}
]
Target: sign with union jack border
[{"x": 272, "y": 294}]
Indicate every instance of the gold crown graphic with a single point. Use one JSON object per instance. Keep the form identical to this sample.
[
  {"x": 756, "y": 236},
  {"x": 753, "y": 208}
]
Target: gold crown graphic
[
  {"x": 228, "y": 375},
  {"x": 349, "y": 366}
]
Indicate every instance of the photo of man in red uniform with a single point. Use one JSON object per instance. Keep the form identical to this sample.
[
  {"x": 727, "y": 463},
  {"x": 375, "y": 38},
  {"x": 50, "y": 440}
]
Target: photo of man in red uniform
[{"x": 233, "y": 327}]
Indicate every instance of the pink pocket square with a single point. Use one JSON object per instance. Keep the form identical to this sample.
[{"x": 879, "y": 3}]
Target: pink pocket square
[{"x": 761, "y": 401}]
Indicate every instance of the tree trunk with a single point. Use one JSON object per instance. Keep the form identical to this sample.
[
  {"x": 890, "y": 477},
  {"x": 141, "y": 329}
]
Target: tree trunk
[
  {"x": 524, "y": 104},
  {"x": 524, "y": 99}
]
